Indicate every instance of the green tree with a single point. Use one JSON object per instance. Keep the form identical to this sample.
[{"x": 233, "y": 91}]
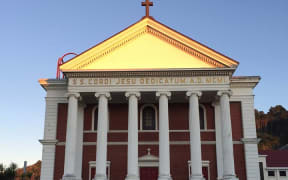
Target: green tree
[
  {"x": 277, "y": 118},
  {"x": 267, "y": 141},
  {"x": 2, "y": 170},
  {"x": 277, "y": 113},
  {"x": 8, "y": 173}
]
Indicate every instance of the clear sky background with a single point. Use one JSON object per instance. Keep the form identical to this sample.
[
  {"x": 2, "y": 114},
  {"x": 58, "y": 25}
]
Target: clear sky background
[{"x": 34, "y": 33}]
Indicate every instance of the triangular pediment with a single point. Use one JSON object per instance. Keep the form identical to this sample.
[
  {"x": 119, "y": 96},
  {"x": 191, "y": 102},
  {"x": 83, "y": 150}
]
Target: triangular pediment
[{"x": 148, "y": 45}]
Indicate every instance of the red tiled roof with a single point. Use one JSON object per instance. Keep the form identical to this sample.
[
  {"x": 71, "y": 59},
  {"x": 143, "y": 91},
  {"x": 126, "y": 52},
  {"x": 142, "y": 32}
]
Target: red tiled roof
[{"x": 276, "y": 158}]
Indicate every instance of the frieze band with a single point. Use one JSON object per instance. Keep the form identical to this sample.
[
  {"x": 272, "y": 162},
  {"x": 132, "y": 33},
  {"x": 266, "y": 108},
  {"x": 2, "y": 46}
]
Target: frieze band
[{"x": 148, "y": 81}]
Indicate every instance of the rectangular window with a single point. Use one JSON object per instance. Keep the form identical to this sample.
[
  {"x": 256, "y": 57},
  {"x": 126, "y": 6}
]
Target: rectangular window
[
  {"x": 282, "y": 173},
  {"x": 271, "y": 173}
]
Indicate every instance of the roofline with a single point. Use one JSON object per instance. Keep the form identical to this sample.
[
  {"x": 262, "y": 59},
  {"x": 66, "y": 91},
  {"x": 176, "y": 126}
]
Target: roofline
[
  {"x": 194, "y": 40},
  {"x": 103, "y": 41},
  {"x": 151, "y": 18}
]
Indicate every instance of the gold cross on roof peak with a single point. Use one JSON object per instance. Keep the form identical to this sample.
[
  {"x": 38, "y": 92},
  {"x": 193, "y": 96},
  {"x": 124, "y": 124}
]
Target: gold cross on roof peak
[{"x": 147, "y": 3}]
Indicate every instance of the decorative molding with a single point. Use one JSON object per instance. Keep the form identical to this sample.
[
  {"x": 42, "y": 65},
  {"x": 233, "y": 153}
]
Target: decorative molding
[
  {"x": 105, "y": 94},
  {"x": 76, "y": 95},
  {"x": 48, "y": 141},
  {"x": 148, "y": 143},
  {"x": 148, "y": 156},
  {"x": 155, "y": 73},
  {"x": 165, "y": 93},
  {"x": 250, "y": 140},
  {"x": 220, "y": 93},
  {"x": 131, "y": 93},
  {"x": 197, "y": 93},
  {"x": 151, "y": 131}
]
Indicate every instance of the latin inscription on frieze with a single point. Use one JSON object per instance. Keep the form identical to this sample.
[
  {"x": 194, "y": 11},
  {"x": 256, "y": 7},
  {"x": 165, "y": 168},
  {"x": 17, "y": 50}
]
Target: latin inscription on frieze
[{"x": 146, "y": 81}]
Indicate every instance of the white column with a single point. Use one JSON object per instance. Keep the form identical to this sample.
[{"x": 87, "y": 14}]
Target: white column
[
  {"x": 101, "y": 152},
  {"x": 164, "y": 146},
  {"x": 227, "y": 141},
  {"x": 79, "y": 153},
  {"x": 71, "y": 138},
  {"x": 132, "y": 166},
  {"x": 195, "y": 139},
  {"x": 219, "y": 153}
]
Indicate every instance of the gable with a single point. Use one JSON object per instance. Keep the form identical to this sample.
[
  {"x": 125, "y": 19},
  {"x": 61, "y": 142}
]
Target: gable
[{"x": 148, "y": 45}]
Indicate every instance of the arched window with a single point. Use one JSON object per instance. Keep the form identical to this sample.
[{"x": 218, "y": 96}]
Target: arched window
[
  {"x": 94, "y": 118},
  {"x": 148, "y": 117},
  {"x": 202, "y": 117}
]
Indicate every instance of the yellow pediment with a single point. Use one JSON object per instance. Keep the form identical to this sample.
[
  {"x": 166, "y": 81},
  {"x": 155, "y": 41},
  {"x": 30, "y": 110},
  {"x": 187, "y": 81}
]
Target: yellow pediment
[{"x": 148, "y": 45}]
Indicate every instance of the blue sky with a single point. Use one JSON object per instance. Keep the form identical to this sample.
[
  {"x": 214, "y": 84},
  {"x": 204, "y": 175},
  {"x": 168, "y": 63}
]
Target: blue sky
[{"x": 33, "y": 34}]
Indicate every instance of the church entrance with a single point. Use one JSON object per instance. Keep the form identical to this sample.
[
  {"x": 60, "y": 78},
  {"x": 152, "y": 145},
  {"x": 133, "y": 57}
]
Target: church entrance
[
  {"x": 148, "y": 166},
  {"x": 148, "y": 173}
]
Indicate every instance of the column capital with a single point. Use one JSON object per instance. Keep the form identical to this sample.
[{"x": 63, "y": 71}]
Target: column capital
[
  {"x": 131, "y": 93},
  {"x": 165, "y": 93},
  {"x": 75, "y": 94},
  {"x": 197, "y": 93},
  {"x": 228, "y": 92},
  {"x": 105, "y": 94}
]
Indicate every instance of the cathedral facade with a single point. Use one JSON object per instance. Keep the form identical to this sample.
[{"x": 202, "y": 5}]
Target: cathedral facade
[{"x": 150, "y": 103}]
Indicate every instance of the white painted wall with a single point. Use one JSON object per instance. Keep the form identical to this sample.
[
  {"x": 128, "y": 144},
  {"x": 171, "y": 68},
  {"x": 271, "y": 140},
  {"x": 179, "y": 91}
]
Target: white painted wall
[
  {"x": 53, "y": 97},
  {"x": 246, "y": 97}
]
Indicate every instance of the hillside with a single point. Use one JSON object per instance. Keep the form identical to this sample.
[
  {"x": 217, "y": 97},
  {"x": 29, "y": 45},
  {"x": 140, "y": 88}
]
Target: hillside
[
  {"x": 33, "y": 171},
  {"x": 272, "y": 128}
]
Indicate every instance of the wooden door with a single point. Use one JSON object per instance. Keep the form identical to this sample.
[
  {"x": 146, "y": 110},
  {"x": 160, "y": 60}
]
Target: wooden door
[
  {"x": 205, "y": 172},
  {"x": 148, "y": 173}
]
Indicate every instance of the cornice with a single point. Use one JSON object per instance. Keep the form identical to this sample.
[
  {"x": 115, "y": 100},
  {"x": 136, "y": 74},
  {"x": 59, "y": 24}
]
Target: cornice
[
  {"x": 48, "y": 141},
  {"x": 159, "y": 73},
  {"x": 245, "y": 81},
  {"x": 48, "y": 84},
  {"x": 250, "y": 140}
]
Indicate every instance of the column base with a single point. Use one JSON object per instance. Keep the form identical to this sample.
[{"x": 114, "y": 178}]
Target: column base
[
  {"x": 230, "y": 177},
  {"x": 164, "y": 177},
  {"x": 132, "y": 177},
  {"x": 100, "y": 177},
  {"x": 197, "y": 177},
  {"x": 70, "y": 177}
]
